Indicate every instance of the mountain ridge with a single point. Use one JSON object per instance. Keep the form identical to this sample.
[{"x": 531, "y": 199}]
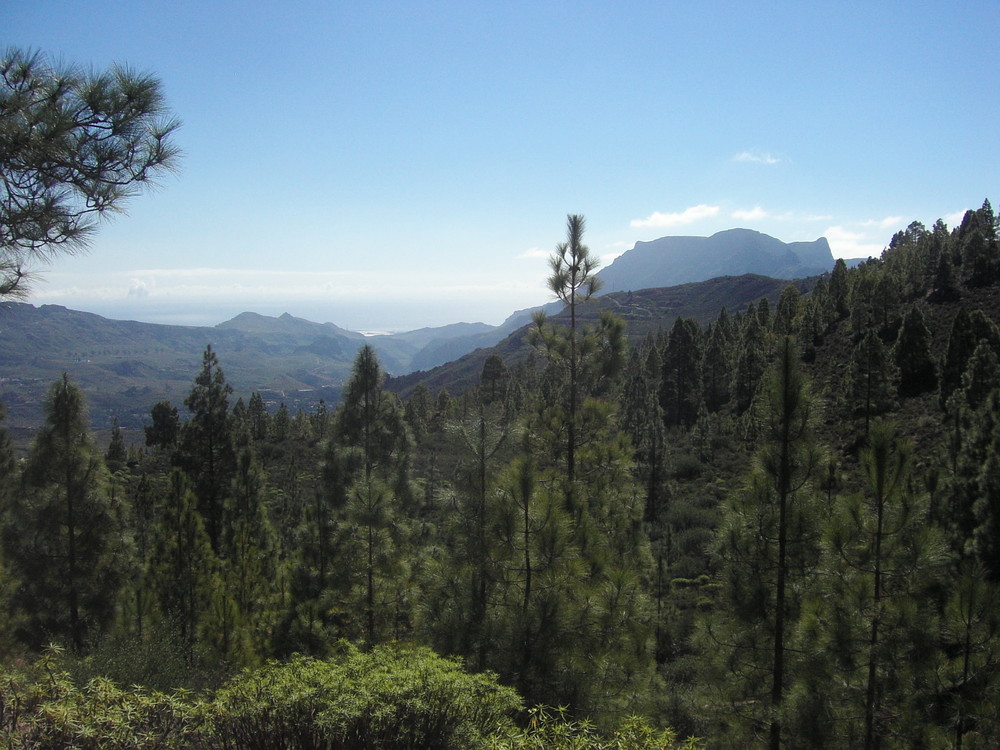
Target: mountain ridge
[{"x": 680, "y": 259}]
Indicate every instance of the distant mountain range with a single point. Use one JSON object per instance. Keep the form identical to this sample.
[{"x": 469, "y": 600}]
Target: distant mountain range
[
  {"x": 669, "y": 261},
  {"x": 125, "y": 367}
]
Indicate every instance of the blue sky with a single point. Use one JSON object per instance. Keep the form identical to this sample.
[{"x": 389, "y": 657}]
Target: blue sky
[{"x": 391, "y": 165}]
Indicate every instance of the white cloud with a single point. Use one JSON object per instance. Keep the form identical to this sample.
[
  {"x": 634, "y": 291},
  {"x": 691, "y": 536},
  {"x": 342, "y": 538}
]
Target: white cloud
[
  {"x": 138, "y": 289},
  {"x": 753, "y": 156},
  {"x": 754, "y": 214},
  {"x": 687, "y": 216},
  {"x": 535, "y": 252},
  {"x": 847, "y": 244},
  {"x": 886, "y": 223},
  {"x": 954, "y": 219}
]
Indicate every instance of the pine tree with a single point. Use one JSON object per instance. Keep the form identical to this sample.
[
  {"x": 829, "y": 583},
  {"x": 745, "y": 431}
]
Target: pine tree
[
  {"x": 116, "y": 454},
  {"x": 137, "y": 603},
  {"x": 977, "y": 487},
  {"x": 719, "y": 363},
  {"x": 183, "y": 565},
  {"x": 74, "y": 147},
  {"x": 871, "y": 377},
  {"x": 207, "y": 446},
  {"x": 250, "y": 548},
  {"x": 460, "y": 581},
  {"x": 961, "y": 344},
  {"x": 864, "y": 281},
  {"x": 982, "y": 376},
  {"x": 641, "y": 419},
  {"x": 976, "y": 437},
  {"x": 62, "y": 533},
  {"x": 8, "y": 481},
  {"x": 839, "y": 291},
  {"x": 970, "y": 635},
  {"x": 370, "y": 422},
  {"x": 884, "y": 560},
  {"x": 371, "y": 515},
  {"x": 751, "y": 362},
  {"x": 538, "y": 568},
  {"x": 977, "y": 242},
  {"x": 944, "y": 287},
  {"x": 681, "y": 381},
  {"x": 912, "y": 356},
  {"x": 166, "y": 427},
  {"x": 765, "y": 550},
  {"x": 370, "y": 419},
  {"x": 786, "y": 316},
  {"x": 281, "y": 425},
  {"x": 573, "y": 281},
  {"x": 323, "y": 561},
  {"x": 259, "y": 418},
  {"x": 418, "y": 412},
  {"x": 494, "y": 381}
]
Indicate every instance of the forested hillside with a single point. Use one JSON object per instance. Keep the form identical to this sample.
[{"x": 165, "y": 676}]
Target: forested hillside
[{"x": 779, "y": 529}]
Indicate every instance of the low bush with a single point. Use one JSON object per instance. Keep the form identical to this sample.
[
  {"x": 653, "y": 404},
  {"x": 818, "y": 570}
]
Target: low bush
[
  {"x": 42, "y": 709},
  {"x": 552, "y": 729},
  {"x": 391, "y": 697}
]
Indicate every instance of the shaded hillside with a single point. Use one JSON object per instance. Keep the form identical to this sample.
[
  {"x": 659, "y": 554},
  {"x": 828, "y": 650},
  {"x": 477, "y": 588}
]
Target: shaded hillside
[
  {"x": 669, "y": 261},
  {"x": 648, "y": 310},
  {"x": 645, "y": 311}
]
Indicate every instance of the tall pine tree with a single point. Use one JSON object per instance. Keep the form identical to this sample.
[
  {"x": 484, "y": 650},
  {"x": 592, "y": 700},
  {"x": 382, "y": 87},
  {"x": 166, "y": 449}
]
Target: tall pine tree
[{"x": 62, "y": 534}]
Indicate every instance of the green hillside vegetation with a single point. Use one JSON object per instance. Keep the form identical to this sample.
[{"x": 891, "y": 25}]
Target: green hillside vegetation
[{"x": 775, "y": 526}]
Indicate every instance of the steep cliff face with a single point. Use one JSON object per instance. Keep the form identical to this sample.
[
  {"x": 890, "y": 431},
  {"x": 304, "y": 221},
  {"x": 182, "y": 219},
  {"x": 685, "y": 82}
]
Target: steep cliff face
[{"x": 669, "y": 261}]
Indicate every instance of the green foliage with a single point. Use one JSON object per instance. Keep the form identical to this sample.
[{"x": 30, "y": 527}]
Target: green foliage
[
  {"x": 751, "y": 361},
  {"x": 41, "y": 707},
  {"x": 681, "y": 380},
  {"x": 391, "y": 697},
  {"x": 839, "y": 291},
  {"x": 554, "y": 729},
  {"x": 370, "y": 418},
  {"x": 966, "y": 673},
  {"x": 207, "y": 453},
  {"x": 62, "y": 533},
  {"x": 871, "y": 378},
  {"x": 182, "y": 563},
  {"x": 766, "y": 554},
  {"x": 166, "y": 426},
  {"x": 867, "y": 631},
  {"x": 912, "y": 355}
]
